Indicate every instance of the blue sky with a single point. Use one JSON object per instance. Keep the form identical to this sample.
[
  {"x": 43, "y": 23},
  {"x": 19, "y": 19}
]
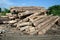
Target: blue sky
[{"x": 43, "y": 3}]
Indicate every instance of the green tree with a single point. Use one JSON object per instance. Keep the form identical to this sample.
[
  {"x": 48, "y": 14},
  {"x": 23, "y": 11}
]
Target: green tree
[
  {"x": 55, "y": 10},
  {"x": 5, "y": 11}
]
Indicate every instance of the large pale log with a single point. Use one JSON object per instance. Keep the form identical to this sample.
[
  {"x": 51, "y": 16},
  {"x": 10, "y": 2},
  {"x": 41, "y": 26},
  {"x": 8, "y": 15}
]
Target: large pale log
[
  {"x": 46, "y": 22},
  {"x": 29, "y": 30},
  {"x": 46, "y": 27},
  {"x": 40, "y": 17},
  {"x": 5, "y": 21},
  {"x": 24, "y": 24},
  {"x": 23, "y": 20},
  {"x": 24, "y": 14},
  {"x": 42, "y": 25},
  {"x": 36, "y": 23},
  {"x": 35, "y": 18},
  {"x": 35, "y": 14},
  {"x": 24, "y": 28},
  {"x": 13, "y": 21},
  {"x": 43, "y": 30},
  {"x": 27, "y": 13},
  {"x": 15, "y": 24},
  {"x": 11, "y": 17},
  {"x": 26, "y": 19}
]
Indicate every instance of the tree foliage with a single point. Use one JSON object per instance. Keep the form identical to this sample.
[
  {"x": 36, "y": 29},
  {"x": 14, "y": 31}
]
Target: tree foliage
[
  {"x": 4, "y": 11},
  {"x": 55, "y": 10}
]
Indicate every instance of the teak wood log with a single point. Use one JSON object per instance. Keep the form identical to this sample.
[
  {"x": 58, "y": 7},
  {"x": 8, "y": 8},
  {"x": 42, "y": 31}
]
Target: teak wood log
[
  {"x": 13, "y": 21},
  {"x": 23, "y": 28},
  {"x": 24, "y": 14},
  {"x": 31, "y": 16},
  {"x": 35, "y": 18},
  {"x": 29, "y": 30},
  {"x": 36, "y": 23},
  {"x": 26, "y": 19},
  {"x": 46, "y": 22},
  {"x": 24, "y": 24},
  {"x": 39, "y": 17},
  {"x": 13, "y": 16},
  {"x": 43, "y": 31},
  {"x": 42, "y": 25},
  {"x": 10, "y": 22}
]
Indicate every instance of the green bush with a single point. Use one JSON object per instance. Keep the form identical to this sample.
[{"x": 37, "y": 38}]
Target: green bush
[
  {"x": 55, "y": 10},
  {"x": 3, "y": 12}
]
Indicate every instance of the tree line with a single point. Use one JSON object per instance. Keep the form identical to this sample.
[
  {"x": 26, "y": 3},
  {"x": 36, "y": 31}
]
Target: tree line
[
  {"x": 4, "y": 11},
  {"x": 55, "y": 10}
]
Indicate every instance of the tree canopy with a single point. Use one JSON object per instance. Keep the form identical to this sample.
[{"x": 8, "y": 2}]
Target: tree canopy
[
  {"x": 4, "y": 11},
  {"x": 55, "y": 10}
]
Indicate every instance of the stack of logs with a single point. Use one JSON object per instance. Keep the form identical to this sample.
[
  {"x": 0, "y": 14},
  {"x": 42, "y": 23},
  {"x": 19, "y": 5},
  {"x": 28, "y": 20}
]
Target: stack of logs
[
  {"x": 33, "y": 23},
  {"x": 37, "y": 23}
]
